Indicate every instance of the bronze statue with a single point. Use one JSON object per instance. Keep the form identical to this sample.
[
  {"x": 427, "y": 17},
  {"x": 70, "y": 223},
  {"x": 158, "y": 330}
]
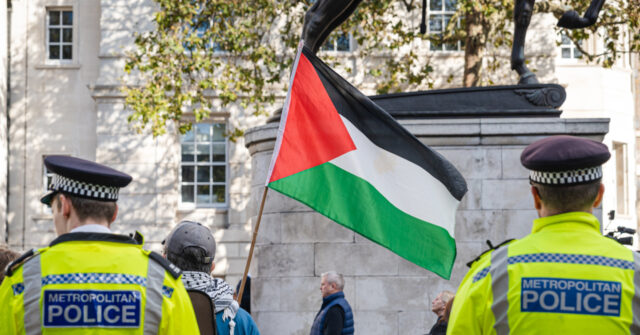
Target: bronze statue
[{"x": 326, "y": 15}]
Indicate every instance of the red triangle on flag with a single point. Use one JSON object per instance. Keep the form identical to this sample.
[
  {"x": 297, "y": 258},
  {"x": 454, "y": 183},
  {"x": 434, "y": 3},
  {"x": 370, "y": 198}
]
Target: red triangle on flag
[{"x": 314, "y": 132}]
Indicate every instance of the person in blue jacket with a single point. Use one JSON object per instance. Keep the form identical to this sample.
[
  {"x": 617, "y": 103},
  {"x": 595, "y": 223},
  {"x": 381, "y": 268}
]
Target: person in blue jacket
[{"x": 335, "y": 316}]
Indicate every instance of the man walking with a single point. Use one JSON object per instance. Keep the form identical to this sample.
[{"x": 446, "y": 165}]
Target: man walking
[
  {"x": 335, "y": 316},
  {"x": 89, "y": 280},
  {"x": 192, "y": 248},
  {"x": 565, "y": 277}
]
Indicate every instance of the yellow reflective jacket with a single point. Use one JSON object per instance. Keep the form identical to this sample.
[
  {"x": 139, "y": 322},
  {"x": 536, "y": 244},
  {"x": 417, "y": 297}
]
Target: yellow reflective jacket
[
  {"x": 564, "y": 278},
  {"x": 94, "y": 283}
]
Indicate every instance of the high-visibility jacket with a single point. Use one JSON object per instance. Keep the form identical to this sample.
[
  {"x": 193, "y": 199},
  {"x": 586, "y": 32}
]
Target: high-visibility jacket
[
  {"x": 564, "y": 278},
  {"x": 95, "y": 283}
]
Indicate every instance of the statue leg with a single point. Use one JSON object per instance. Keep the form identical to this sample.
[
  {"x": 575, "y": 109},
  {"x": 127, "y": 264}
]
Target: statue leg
[
  {"x": 522, "y": 17},
  {"x": 572, "y": 20},
  {"x": 322, "y": 18}
]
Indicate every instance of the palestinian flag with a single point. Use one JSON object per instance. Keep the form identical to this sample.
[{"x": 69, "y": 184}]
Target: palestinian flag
[{"x": 345, "y": 157}]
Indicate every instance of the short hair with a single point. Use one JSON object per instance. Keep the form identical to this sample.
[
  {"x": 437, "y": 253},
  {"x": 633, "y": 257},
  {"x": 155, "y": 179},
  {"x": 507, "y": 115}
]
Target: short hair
[
  {"x": 335, "y": 278},
  {"x": 89, "y": 208},
  {"x": 447, "y": 296},
  {"x": 6, "y": 256},
  {"x": 190, "y": 260},
  {"x": 563, "y": 199}
]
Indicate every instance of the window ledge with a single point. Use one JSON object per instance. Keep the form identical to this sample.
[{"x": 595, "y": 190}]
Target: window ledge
[
  {"x": 185, "y": 209},
  {"x": 70, "y": 66}
]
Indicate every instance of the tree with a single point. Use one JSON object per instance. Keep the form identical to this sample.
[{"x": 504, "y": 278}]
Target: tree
[{"x": 242, "y": 51}]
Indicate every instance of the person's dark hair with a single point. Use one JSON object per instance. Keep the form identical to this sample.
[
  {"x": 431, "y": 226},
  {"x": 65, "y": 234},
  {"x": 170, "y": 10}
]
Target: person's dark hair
[
  {"x": 88, "y": 208},
  {"x": 6, "y": 256},
  {"x": 190, "y": 260},
  {"x": 563, "y": 199}
]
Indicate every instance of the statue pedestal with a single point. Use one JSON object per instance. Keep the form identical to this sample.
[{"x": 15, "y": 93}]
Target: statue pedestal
[{"x": 388, "y": 294}]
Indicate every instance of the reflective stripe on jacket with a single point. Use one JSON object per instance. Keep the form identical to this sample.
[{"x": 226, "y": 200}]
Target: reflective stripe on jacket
[
  {"x": 563, "y": 278},
  {"x": 92, "y": 283}
]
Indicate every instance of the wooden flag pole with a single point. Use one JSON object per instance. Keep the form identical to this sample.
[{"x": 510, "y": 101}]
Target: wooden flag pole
[{"x": 253, "y": 243}]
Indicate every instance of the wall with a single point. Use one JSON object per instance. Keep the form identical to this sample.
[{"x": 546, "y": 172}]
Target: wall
[{"x": 4, "y": 72}]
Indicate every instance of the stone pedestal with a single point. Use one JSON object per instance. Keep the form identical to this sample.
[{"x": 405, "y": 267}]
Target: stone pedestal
[{"x": 388, "y": 294}]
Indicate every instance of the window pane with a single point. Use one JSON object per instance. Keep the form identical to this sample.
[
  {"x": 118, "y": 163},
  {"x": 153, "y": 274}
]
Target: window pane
[
  {"x": 187, "y": 137},
  {"x": 66, "y": 52},
  {"x": 451, "y": 46},
  {"x": 219, "y": 194},
  {"x": 218, "y": 131},
  {"x": 447, "y": 18},
  {"x": 67, "y": 35},
  {"x": 187, "y": 153},
  {"x": 203, "y": 194},
  {"x": 67, "y": 18},
  {"x": 450, "y": 5},
  {"x": 203, "y": 174},
  {"x": 54, "y": 52},
  {"x": 203, "y": 153},
  {"x": 219, "y": 173},
  {"x": 187, "y": 193},
  {"x": 343, "y": 42},
  {"x": 577, "y": 53},
  {"x": 54, "y": 18},
  {"x": 329, "y": 45},
  {"x": 203, "y": 133},
  {"x": 435, "y": 46},
  {"x": 435, "y": 4},
  {"x": 435, "y": 23},
  {"x": 565, "y": 40},
  {"x": 566, "y": 53},
  {"x": 218, "y": 152},
  {"x": 54, "y": 35},
  {"x": 187, "y": 173}
]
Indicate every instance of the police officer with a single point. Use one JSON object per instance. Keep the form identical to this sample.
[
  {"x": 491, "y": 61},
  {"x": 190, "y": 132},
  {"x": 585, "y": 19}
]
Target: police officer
[
  {"x": 89, "y": 280},
  {"x": 565, "y": 277}
]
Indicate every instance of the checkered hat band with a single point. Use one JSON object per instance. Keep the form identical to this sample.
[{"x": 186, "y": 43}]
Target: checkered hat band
[
  {"x": 86, "y": 190},
  {"x": 579, "y": 176}
]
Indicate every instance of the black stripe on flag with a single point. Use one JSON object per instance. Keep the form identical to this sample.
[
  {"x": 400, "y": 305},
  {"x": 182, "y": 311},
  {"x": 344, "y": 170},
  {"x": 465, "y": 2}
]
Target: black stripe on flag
[{"x": 383, "y": 130}]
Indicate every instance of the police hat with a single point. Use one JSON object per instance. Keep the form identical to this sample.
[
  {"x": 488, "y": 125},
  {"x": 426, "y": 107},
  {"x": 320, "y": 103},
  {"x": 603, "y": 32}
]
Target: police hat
[
  {"x": 83, "y": 178},
  {"x": 190, "y": 234},
  {"x": 565, "y": 160}
]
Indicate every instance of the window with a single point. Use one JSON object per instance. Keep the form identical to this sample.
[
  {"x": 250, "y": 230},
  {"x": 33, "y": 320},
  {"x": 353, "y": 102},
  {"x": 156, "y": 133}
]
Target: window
[
  {"x": 339, "y": 41},
  {"x": 59, "y": 34},
  {"x": 568, "y": 50},
  {"x": 203, "y": 167},
  {"x": 622, "y": 193},
  {"x": 440, "y": 13}
]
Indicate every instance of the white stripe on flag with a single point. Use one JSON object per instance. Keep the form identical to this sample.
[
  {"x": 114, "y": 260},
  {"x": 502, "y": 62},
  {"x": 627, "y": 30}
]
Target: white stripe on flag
[{"x": 406, "y": 185}]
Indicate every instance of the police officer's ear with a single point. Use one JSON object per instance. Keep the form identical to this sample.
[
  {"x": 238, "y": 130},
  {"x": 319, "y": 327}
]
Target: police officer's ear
[
  {"x": 598, "y": 200},
  {"x": 65, "y": 205},
  {"x": 537, "y": 200},
  {"x": 115, "y": 214},
  {"x": 213, "y": 266}
]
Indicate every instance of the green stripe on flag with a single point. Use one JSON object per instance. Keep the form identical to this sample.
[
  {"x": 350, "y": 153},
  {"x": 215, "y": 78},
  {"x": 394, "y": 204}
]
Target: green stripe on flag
[{"x": 354, "y": 203}]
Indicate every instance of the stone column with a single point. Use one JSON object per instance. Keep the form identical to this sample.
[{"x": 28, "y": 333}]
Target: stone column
[{"x": 388, "y": 294}]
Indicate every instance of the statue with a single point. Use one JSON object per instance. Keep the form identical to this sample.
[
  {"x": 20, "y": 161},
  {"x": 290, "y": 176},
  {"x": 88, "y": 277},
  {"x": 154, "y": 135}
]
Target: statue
[{"x": 326, "y": 15}]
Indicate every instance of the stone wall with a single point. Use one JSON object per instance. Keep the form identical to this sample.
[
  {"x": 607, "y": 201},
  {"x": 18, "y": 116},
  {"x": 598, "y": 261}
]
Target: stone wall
[{"x": 390, "y": 295}]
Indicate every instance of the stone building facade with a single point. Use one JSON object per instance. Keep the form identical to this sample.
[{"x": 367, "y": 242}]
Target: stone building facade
[{"x": 60, "y": 82}]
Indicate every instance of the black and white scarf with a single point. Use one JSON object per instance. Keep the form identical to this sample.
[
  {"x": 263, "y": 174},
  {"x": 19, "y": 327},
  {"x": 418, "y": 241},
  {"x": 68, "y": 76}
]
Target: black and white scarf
[{"x": 217, "y": 289}]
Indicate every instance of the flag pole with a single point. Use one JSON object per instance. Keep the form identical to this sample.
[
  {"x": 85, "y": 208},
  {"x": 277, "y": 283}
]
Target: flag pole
[{"x": 253, "y": 243}]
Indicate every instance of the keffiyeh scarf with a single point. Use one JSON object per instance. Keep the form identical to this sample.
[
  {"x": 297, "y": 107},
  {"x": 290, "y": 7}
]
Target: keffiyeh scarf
[{"x": 217, "y": 289}]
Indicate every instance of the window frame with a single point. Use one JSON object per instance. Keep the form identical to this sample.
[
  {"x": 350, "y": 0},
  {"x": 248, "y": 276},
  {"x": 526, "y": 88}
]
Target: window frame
[
  {"x": 443, "y": 12},
  {"x": 195, "y": 204},
  {"x": 74, "y": 35},
  {"x": 569, "y": 45}
]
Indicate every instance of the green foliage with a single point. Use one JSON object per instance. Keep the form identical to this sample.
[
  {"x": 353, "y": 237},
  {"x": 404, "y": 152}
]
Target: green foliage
[{"x": 241, "y": 52}]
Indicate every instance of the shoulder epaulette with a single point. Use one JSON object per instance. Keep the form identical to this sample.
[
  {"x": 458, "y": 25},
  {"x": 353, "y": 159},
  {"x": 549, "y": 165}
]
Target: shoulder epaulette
[
  {"x": 170, "y": 267},
  {"x": 491, "y": 247},
  {"x": 19, "y": 261}
]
